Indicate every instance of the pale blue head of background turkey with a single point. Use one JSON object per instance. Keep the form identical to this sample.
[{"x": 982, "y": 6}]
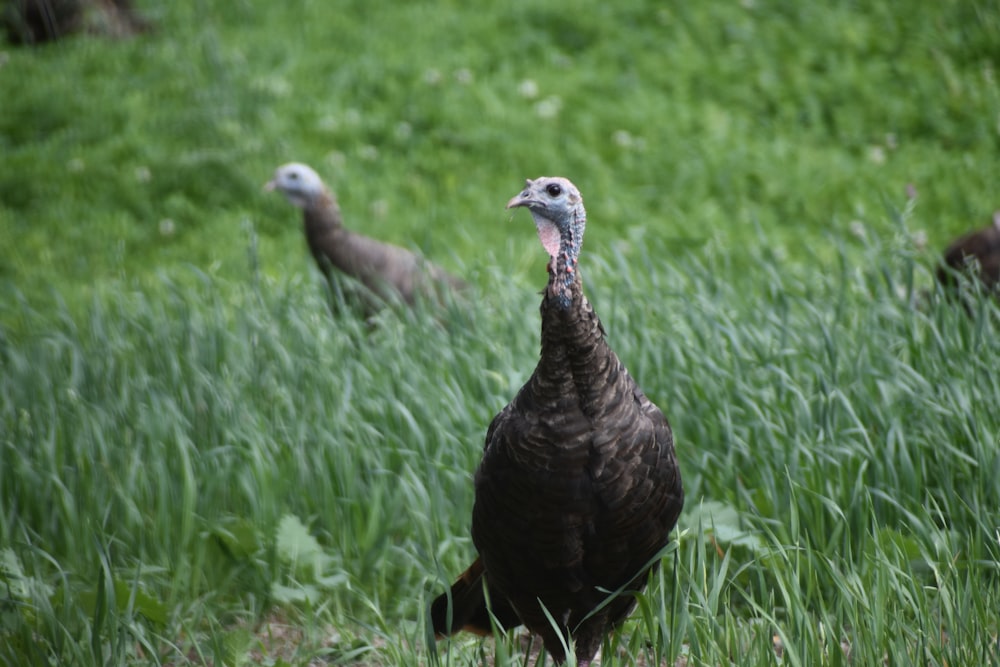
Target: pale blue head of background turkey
[{"x": 298, "y": 182}]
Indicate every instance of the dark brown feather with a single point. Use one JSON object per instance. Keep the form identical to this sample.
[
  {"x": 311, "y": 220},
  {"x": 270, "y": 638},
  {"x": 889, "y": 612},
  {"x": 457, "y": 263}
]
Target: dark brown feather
[
  {"x": 977, "y": 252},
  {"x": 386, "y": 272},
  {"x": 579, "y": 486},
  {"x": 468, "y": 606},
  {"x": 36, "y": 21}
]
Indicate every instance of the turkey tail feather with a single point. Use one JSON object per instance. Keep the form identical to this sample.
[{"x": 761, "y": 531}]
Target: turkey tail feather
[{"x": 469, "y": 610}]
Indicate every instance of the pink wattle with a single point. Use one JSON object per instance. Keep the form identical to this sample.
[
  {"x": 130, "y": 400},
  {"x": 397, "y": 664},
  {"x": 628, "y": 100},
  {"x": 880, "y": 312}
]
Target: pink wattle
[{"x": 548, "y": 234}]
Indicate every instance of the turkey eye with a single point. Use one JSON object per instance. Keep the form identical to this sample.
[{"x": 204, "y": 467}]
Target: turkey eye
[
  {"x": 554, "y": 190},
  {"x": 294, "y": 176}
]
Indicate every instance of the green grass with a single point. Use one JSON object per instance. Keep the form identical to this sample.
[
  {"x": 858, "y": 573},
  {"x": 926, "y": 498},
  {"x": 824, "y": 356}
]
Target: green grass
[
  {"x": 200, "y": 465},
  {"x": 177, "y": 470}
]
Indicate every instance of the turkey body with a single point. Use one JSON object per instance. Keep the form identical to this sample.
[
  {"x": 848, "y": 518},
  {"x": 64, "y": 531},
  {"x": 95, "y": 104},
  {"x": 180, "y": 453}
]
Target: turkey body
[
  {"x": 386, "y": 271},
  {"x": 579, "y": 487},
  {"x": 981, "y": 246},
  {"x": 38, "y": 21}
]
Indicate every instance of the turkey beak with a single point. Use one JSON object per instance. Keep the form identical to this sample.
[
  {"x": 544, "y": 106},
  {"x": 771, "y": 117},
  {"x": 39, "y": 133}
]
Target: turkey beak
[{"x": 522, "y": 199}]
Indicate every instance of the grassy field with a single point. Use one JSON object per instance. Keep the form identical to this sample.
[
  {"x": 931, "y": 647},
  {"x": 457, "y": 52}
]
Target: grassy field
[{"x": 200, "y": 465}]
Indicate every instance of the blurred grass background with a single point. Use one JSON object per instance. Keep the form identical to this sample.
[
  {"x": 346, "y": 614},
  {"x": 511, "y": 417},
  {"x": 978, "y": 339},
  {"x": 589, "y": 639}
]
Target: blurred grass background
[
  {"x": 200, "y": 466},
  {"x": 124, "y": 158}
]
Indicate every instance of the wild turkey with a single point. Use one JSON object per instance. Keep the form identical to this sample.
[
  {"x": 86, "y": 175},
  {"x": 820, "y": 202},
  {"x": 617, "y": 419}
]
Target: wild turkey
[
  {"x": 579, "y": 487},
  {"x": 981, "y": 247},
  {"x": 37, "y": 21},
  {"x": 388, "y": 271}
]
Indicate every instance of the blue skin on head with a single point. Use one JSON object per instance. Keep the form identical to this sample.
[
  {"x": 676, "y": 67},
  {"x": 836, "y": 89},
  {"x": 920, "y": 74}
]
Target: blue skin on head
[{"x": 560, "y": 218}]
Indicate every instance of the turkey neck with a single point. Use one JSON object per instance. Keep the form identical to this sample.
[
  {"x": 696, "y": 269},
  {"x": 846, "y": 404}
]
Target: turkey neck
[
  {"x": 322, "y": 217},
  {"x": 564, "y": 280},
  {"x": 575, "y": 359},
  {"x": 574, "y": 353},
  {"x": 328, "y": 239}
]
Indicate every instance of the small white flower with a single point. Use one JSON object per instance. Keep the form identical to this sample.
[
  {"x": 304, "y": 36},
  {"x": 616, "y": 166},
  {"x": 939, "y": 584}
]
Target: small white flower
[
  {"x": 279, "y": 87},
  {"x": 336, "y": 159},
  {"x": 876, "y": 154},
  {"x": 528, "y": 89},
  {"x": 561, "y": 60},
  {"x": 623, "y": 139},
  {"x": 328, "y": 122},
  {"x": 352, "y": 117},
  {"x": 549, "y": 107},
  {"x": 167, "y": 227},
  {"x": 368, "y": 152},
  {"x": 858, "y": 229},
  {"x": 432, "y": 77},
  {"x": 463, "y": 76}
]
